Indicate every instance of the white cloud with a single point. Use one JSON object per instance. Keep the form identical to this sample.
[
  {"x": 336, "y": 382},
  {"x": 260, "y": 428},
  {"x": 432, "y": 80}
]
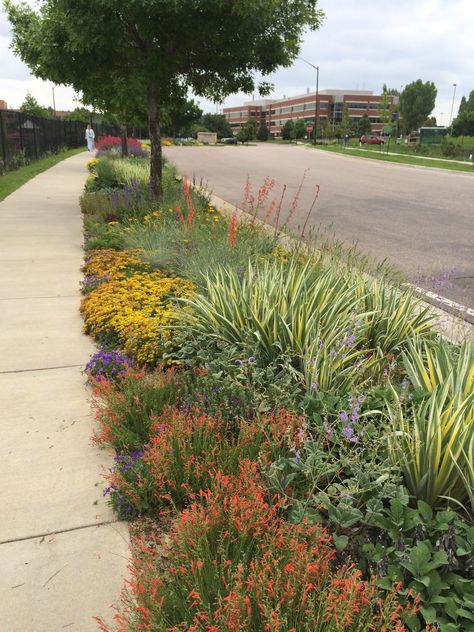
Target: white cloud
[{"x": 360, "y": 45}]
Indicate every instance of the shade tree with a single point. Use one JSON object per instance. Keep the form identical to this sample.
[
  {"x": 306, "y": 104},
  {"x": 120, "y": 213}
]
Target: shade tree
[
  {"x": 146, "y": 53},
  {"x": 417, "y": 101}
]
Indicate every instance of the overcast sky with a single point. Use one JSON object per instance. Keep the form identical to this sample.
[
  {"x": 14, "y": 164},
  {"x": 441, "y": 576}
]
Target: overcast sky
[{"x": 360, "y": 45}]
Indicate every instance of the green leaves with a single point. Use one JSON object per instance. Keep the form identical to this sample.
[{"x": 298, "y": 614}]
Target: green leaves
[
  {"x": 421, "y": 562},
  {"x": 434, "y": 442}
]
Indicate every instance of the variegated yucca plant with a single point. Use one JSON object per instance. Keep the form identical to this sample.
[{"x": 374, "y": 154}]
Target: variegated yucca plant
[
  {"x": 435, "y": 443},
  {"x": 290, "y": 309},
  {"x": 394, "y": 317}
]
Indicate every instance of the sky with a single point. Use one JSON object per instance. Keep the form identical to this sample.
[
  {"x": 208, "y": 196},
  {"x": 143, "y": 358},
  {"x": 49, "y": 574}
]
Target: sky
[{"x": 361, "y": 45}]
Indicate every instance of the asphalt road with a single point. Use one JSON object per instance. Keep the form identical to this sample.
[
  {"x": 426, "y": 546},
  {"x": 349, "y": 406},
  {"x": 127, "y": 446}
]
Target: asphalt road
[{"x": 419, "y": 219}]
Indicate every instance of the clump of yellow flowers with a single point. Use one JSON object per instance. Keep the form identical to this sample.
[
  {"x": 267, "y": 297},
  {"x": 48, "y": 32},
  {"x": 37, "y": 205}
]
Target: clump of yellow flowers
[
  {"x": 113, "y": 264},
  {"x": 92, "y": 163},
  {"x": 133, "y": 309}
]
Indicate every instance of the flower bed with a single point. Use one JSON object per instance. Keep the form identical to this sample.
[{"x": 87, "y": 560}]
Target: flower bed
[{"x": 311, "y": 444}]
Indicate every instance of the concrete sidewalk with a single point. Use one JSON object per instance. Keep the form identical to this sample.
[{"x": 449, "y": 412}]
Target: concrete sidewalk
[{"x": 63, "y": 555}]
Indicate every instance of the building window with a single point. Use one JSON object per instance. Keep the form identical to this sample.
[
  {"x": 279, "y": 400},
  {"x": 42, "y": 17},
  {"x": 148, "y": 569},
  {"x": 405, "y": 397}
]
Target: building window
[{"x": 356, "y": 105}]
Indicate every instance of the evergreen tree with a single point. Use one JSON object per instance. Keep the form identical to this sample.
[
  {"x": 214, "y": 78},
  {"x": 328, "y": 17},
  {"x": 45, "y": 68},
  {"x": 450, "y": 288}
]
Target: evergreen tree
[
  {"x": 262, "y": 133},
  {"x": 364, "y": 126},
  {"x": 31, "y": 106},
  {"x": 287, "y": 130}
]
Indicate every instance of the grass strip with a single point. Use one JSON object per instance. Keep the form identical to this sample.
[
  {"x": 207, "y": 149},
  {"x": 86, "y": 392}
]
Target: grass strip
[
  {"x": 13, "y": 180},
  {"x": 406, "y": 160}
]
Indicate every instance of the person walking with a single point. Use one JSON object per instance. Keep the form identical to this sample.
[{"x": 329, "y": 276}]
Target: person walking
[{"x": 90, "y": 136}]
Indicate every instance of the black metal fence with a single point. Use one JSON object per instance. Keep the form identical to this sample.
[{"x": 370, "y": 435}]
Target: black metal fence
[{"x": 25, "y": 138}]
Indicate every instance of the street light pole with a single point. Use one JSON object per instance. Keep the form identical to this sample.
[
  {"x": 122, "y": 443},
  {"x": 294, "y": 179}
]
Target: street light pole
[
  {"x": 316, "y": 105},
  {"x": 54, "y": 103},
  {"x": 452, "y": 106}
]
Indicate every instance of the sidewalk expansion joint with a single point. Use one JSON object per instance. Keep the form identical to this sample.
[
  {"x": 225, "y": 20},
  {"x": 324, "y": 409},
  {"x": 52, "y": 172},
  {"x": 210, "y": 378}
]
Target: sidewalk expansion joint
[
  {"x": 44, "y": 368},
  {"x": 48, "y": 534},
  {"x": 38, "y": 298}
]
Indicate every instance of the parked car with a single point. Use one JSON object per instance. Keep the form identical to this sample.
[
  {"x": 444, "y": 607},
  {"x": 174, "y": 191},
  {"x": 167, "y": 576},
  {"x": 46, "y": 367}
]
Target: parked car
[
  {"x": 371, "y": 140},
  {"x": 232, "y": 140}
]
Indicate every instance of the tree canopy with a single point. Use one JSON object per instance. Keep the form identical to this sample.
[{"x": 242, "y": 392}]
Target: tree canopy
[
  {"x": 463, "y": 124},
  {"x": 287, "y": 130},
  {"x": 217, "y": 123},
  {"x": 364, "y": 126},
  {"x": 31, "y": 106},
  {"x": 146, "y": 53},
  {"x": 417, "y": 102},
  {"x": 248, "y": 131}
]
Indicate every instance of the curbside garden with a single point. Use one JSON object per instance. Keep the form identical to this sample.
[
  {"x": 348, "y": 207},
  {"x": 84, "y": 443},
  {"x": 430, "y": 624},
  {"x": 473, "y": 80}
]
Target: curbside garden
[{"x": 294, "y": 440}]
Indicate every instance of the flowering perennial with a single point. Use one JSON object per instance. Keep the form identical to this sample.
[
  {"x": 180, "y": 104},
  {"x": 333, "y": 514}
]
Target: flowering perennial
[
  {"x": 135, "y": 312},
  {"x": 234, "y": 565}
]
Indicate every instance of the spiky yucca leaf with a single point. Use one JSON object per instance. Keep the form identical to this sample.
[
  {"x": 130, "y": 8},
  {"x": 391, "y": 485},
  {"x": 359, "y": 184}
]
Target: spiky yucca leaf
[
  {"x": 434, "y": 444},
  {"x": 396, "y": 316},
  {"x": 430, "y": 364}
]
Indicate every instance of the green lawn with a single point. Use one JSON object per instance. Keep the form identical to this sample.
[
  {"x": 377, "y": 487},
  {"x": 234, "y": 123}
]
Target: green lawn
[
  {"x": 13, "y": 180},
  {"x": 407, "y": 160}
]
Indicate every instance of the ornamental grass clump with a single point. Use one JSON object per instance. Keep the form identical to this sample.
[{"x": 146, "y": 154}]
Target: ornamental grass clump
[
  {"x": 190, "y": 248},
  {"x": 136, "y": 313},
  {"x": 231, "y": 563}
]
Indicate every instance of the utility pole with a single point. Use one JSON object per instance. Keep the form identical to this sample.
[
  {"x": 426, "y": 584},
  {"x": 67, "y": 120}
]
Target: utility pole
[
  {"x": 316, "y": 105},
  {"x": 451, "y": 115},
  {"x": 54, "y": 103}
]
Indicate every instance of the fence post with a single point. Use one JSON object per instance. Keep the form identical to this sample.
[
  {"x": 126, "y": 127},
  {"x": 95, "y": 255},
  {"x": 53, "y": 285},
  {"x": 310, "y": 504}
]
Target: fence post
[{"x": 3, "y": 139}]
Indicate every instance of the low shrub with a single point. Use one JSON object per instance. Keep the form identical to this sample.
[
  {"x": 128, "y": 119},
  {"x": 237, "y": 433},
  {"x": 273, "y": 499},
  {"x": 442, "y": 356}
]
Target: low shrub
[{"x": 423, "y": 552}]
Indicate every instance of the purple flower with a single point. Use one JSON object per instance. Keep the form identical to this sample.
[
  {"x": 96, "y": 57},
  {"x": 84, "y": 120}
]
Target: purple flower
[
  {"x": 328, "y": 429},
  {"x": 251, "y": 360},
  {"x": 297, "y": 453},
  {"x": 108, "y": 365},
  {"x": 344, "y": 416},
  {"x": 351, "y": 340},
  {"x": 348, "y": 433}
]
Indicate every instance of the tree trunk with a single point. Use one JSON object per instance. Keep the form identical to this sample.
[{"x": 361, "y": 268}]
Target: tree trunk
[
  {"x": 123, "y": 138},
  {"x": 156, "y": 162}
]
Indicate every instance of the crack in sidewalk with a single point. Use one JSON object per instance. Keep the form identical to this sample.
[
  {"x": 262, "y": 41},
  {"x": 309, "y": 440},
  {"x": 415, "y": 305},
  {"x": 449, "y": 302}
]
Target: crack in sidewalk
[
  {"x": 44, "y": 368},
  {"x": 53, "y": 533}
]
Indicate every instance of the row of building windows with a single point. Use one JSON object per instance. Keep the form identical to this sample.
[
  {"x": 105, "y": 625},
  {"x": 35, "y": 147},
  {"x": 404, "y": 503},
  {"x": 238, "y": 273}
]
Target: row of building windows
[
  {"x": 352, "y": 105},
  {"x": 322, "y": 119}
]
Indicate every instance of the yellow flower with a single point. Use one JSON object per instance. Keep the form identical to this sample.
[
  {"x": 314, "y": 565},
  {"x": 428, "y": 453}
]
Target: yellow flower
[
  {"x": 113, "y": 264},
  {"x": 136, "y": 311},
  {"x": 146, "y": 218}
]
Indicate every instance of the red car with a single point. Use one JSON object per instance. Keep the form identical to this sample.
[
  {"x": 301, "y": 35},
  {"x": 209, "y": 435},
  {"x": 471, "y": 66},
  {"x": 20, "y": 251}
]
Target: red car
[{"x": 371, "y": 140}]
